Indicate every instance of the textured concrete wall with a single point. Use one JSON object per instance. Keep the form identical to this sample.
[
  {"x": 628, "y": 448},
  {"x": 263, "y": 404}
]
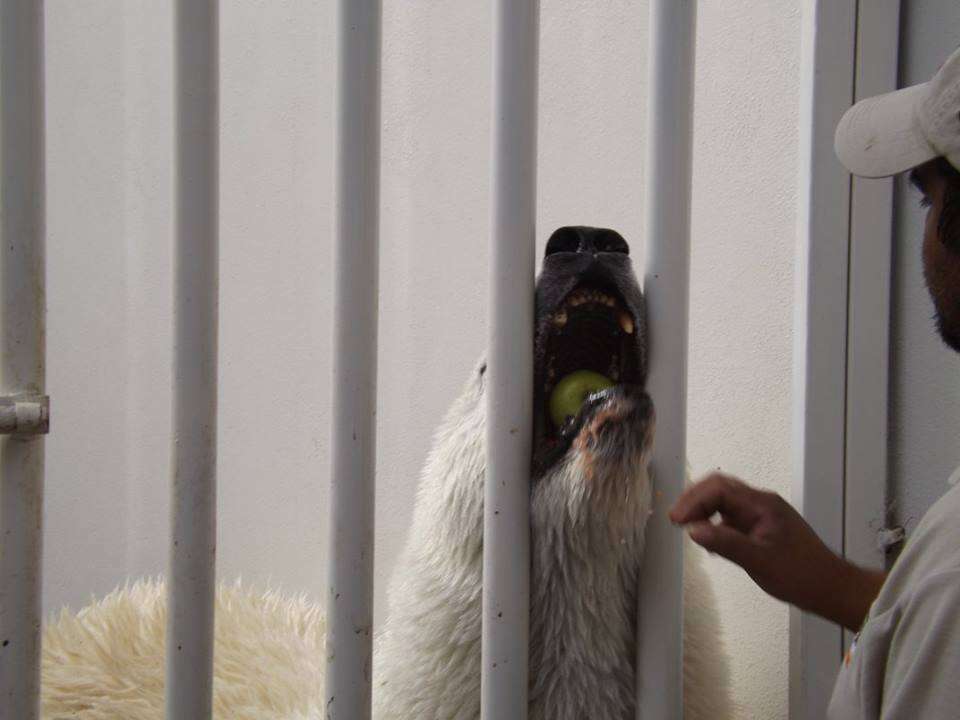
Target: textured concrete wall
[{"x": 110, "y": 180}]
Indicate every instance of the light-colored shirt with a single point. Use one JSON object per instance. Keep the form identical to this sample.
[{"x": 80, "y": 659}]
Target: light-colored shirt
[{"x": 905, "y": 662}]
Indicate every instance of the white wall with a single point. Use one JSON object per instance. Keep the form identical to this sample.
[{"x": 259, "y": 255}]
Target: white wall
[
  {"x": 741, "y": 332},
  {"x": 925, "y": 409},
  {"x": 110, "y": 140}
]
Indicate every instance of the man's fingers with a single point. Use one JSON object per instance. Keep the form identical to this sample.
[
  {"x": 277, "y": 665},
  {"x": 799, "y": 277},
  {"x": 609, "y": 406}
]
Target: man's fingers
[
  {"x": 738, "y": 503},
  {"x": 724, "y": 541},
  {"x": 703, "y": 499}
]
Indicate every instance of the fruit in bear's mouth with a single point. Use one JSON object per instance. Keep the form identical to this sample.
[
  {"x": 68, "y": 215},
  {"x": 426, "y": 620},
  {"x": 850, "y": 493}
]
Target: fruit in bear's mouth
[{"x": 571, "y": 392}]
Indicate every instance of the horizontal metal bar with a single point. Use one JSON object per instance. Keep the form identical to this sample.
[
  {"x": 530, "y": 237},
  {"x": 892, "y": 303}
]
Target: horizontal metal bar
[{"x": 24, "y": 415}]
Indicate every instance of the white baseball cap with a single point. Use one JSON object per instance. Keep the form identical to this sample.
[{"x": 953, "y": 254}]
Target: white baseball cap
[{"x": 888, "y": 134}]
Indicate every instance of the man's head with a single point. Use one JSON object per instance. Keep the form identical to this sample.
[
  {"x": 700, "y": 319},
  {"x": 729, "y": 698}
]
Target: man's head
[
  {"x": 939, "y": 182},
  {"x": 918, "y": 129}
]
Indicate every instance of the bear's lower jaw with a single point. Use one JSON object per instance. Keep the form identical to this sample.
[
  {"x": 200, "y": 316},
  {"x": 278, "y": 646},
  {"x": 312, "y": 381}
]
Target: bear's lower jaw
[{"x": 614, "y": 428}]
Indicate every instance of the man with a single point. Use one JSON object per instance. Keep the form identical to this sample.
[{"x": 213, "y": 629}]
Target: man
[{"x": 905, "y": 662}]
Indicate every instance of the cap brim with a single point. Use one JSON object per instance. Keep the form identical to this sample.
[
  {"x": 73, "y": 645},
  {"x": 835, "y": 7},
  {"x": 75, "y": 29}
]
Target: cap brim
[{"x": 879, "y": 136}]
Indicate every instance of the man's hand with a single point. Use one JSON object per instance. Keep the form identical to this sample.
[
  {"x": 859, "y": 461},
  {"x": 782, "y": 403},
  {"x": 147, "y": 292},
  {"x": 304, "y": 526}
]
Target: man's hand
[{"x": 763, "y": 534}]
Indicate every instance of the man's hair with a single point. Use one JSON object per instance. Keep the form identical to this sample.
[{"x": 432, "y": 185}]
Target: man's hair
[{"x": 948, "y": 227}]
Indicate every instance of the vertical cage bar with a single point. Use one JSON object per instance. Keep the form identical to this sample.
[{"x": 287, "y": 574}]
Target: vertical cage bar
[
  {"x": 822, "y": 294},
  {"x": 509, "y": 377},
  {"x": 352, "y": 481},
  {"x": 193, "y": 539},
  {"x": 22, "y": 367},
  {"x": 870, "y": 280},
  {"x": 667, "y": 281}
]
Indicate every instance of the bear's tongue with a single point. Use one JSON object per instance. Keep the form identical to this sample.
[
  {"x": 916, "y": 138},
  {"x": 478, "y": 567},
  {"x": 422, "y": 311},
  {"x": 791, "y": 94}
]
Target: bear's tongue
[{"x": 570, "y": 393}]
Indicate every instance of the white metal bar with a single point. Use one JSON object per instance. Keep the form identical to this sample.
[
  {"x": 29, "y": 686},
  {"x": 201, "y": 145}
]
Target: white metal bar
[
  {"x": 351, "y": 518},
  {"x": 820, "y": 328},
  {"x": 24, "y": 415},
  {"x": 22, "y": 367},
  {"x": 667, "y": 289},
  {"x": 509, "y": 376},
  {"x": 868, "y": 340},
  {"x": 193, "y": 538}
]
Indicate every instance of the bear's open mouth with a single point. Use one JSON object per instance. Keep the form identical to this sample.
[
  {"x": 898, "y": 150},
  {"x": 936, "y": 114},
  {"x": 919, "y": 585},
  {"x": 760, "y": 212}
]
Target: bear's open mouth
[
  {"x": 591, "y": 330},
  {"x": 588, "y": 340}
]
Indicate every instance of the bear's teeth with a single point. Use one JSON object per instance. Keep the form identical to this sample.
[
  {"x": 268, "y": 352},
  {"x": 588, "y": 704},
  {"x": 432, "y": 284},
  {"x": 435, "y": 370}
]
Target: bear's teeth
[{"x": 626, "y": 322}]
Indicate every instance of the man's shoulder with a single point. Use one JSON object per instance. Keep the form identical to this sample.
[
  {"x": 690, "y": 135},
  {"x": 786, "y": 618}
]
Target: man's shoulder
[
  {"x": 932, "y": 549},
  {"x": 946, "y": 508},
  {"x": 922, "y": 658},
  {"x": 938, "y": 535}
]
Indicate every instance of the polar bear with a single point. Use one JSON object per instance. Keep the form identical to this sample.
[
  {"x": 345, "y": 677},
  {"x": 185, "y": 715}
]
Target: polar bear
[
  {"x": 590, "y": 500},
  {"x": 591, "y": 496}
]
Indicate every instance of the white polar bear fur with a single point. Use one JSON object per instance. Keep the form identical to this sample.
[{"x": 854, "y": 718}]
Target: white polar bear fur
[
  {"x": 584, "y": 534},
  {"x": 107, "y": 662}
]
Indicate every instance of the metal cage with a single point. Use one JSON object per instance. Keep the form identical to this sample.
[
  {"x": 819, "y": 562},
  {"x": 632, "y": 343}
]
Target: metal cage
[{"x": 24, "y": 415}]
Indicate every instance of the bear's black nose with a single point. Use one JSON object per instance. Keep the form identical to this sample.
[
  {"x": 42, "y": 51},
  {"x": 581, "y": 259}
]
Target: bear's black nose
[{"x": 580, "y": 239}]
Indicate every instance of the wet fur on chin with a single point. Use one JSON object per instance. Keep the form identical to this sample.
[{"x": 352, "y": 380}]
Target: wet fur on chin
[{"x": 588, "y": 515}]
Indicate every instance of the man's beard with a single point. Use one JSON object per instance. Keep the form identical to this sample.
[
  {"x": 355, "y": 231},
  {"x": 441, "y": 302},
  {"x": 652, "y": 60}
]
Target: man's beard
[{"x": 948, "y": 232}]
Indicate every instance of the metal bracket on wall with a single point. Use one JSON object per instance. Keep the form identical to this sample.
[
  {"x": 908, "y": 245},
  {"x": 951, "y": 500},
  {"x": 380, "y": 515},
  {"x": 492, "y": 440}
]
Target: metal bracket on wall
[
  {"x": 889, "y": 538},
  {"x": 24, "y": 415}
]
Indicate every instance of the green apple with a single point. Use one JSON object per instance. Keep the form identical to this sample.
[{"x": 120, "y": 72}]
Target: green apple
[{"x": 572, "y": 390}]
